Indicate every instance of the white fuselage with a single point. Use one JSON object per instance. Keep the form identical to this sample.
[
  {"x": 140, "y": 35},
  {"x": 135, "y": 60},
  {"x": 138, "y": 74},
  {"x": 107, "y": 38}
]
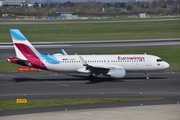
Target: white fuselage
[{"x": 135, "y": 62}]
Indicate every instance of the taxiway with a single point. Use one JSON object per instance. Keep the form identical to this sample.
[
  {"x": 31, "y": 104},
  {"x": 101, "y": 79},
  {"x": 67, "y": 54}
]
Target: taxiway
[{"x": 71, "y": 85}]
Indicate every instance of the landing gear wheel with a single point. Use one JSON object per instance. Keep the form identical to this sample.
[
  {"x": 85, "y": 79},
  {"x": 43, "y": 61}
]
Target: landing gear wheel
[
  {"x": 91, "y": 78},
  {"x": 147, "y": 75}
]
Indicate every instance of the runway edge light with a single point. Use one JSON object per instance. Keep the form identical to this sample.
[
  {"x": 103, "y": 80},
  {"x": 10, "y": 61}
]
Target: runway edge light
[{"x": 21, "y": 101}]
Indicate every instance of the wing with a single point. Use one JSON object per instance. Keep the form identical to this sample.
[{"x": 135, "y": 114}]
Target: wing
[{"x": 113, "y": 71}]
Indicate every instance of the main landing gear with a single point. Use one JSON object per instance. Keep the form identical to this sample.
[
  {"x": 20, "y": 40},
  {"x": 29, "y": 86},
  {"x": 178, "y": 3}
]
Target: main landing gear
[
  {"x": 93, "y": 78},
  {"x": 147, "y": 75}
]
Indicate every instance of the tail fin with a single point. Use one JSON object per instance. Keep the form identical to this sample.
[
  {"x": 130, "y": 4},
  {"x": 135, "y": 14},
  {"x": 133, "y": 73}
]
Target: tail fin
[
  {"x": 23, "y": 48},
  {"x": 25, "y": 52}
]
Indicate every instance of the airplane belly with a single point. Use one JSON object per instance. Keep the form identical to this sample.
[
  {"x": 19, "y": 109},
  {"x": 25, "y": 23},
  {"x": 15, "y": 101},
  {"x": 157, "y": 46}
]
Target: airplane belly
[{"x": 135, "y": 66}]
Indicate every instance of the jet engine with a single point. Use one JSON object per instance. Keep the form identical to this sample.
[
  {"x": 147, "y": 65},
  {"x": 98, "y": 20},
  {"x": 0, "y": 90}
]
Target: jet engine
[{"x": 117, "y": 73}]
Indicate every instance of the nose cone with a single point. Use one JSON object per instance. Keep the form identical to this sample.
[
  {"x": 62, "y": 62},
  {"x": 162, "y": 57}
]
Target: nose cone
[{"x": 166, "y": 65}]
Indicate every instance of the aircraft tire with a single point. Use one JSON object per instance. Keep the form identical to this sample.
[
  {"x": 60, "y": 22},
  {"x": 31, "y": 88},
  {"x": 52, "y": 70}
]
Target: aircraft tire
[{"x": 92, "y": 78}]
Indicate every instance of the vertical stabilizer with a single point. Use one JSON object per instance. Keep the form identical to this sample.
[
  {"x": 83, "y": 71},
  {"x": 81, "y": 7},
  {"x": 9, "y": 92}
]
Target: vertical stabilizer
[
  {"x": 25, "y": 51},
  {"x": 23, "y": 47}
]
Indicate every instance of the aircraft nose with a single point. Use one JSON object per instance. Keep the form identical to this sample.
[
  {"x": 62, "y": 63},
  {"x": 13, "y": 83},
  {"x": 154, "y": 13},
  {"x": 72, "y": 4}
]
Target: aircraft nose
[{"x": 166, "y": 65}]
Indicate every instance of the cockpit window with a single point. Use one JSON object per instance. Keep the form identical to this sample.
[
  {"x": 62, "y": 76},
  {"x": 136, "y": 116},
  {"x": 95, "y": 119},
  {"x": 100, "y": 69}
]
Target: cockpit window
[{"x": 159, "y": 60}]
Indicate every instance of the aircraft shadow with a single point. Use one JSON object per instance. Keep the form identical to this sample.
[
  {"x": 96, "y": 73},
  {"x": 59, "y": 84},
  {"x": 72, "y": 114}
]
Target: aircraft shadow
[
  {"x": 72, "y": 77},
  {"x": 99, "y": 79},
  {"x": 44, "y": 79}
]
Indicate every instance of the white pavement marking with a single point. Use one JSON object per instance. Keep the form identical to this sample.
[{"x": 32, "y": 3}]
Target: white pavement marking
[{"x": 154, "y": 112}]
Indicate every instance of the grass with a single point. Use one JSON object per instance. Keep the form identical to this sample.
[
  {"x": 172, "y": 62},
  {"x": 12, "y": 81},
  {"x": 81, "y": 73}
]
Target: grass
[
  {"x": 11, "y": 104},
  {"x": 169, "y": 54},
  {"x": 94, "y": 31},
  {"x": 8, "y": 67}
]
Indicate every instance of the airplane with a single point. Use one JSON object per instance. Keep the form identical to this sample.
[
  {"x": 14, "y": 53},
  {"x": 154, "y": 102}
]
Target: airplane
[{"x": 115, "y": 65}]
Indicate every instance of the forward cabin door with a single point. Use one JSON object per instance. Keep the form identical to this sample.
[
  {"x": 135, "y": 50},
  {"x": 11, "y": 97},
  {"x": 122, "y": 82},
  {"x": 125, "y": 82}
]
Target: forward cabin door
[{"x": 148, "y": 61}]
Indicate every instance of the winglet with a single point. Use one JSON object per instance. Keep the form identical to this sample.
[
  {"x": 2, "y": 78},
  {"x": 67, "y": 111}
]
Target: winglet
[{"x": 64, "y": 52}]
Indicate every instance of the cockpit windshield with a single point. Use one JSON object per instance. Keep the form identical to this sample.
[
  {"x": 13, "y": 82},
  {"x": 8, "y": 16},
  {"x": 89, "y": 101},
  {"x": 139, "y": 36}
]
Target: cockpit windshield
[{"x": 159, "y": 60}]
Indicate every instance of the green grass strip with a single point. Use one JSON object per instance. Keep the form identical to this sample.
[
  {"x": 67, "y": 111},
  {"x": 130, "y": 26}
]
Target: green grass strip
[
  {"x": 11, "y": 104},
  {"x": 94, "y": 31}
]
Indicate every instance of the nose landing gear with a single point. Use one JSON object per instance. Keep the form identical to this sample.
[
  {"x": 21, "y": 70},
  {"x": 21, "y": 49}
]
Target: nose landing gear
[{"x": 147, "y": 75}]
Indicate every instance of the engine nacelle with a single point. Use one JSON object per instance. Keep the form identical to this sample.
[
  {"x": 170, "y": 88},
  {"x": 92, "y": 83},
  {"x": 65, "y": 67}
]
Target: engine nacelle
[{"x": 117, "y": 73}]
